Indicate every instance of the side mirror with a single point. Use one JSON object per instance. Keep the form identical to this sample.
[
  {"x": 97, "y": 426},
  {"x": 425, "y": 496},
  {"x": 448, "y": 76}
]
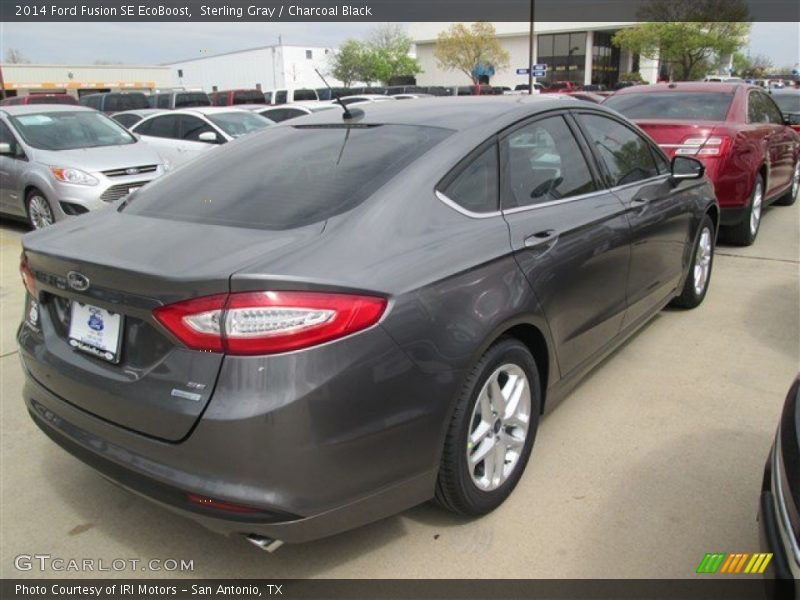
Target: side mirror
[
  {"x": 209, "y": 137},
  {"x": 5, "y": 149},
  {"x": 686, "y": 167}
]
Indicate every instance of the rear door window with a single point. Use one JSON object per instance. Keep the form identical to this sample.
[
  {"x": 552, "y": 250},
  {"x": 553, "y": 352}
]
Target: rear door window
[
  {"x": 544, "y": 163},
  {"x": 626, "y": 155},
  {"x": 248, "y": 184},
  {"x": 191, "y": 127},
  {"x": 162, "y": 101}
]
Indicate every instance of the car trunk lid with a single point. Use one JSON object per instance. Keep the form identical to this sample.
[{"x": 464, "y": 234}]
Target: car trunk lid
[{"x": 133, "y": 265}]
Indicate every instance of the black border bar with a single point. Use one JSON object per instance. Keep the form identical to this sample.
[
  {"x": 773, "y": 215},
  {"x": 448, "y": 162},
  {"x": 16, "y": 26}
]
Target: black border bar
[{"x": 12, "y": 11}]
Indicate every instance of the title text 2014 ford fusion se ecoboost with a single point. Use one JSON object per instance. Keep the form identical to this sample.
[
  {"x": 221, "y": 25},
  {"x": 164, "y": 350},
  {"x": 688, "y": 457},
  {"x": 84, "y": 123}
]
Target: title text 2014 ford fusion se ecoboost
[{"x": 339, "y": 318}]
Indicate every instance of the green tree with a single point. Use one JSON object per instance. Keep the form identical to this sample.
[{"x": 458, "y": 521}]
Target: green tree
[
  {"x": 687, "y": 35},
  {"x": 347, "y": 63},
  {"x": 462, "y": 48},
  {"x": 756, "y": 67},
  {"x": 388, "y": 54}
]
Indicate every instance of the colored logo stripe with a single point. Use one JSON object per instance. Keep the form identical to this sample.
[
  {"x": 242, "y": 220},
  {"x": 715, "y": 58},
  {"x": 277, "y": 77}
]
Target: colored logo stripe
[{"x": 736, "y": 562}]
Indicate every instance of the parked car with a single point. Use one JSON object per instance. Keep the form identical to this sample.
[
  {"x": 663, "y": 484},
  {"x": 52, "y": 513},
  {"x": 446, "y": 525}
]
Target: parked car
[
  {"x": 287, "y": 96},
  {"x": 179, "y": 99},
  {"x": 411, "y": 96},
  {"x": 58, "y": 161},
  {"x": 523, "y": 87},
  {"x": 285, "y": 112},
  {"x": 39, "y": 99},
  {"x": 181, "y": 135},
  {"x": 234, "y": 97},
  {"x": 736, "y": 130},
  {"x": 363, "y": 99},
  {"x": 111, "y": 102},
  {"x": 588, "y": 96},
  {"x": 788, "y": 100},
  {"x": 129, "y": 118},
  {"x": 559, "y": 87},
  {"x": 779, "y": 514},
  {"x": 328, "y": 93},
  {"x": 299, "y": 342},
  {"x": 394, "y": 90}
]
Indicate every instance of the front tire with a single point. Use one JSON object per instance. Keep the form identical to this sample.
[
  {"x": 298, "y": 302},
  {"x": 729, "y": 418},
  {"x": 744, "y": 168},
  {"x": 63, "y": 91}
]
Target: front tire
[
  {"x": 699, "y": 276},
  {"x": 744, "y": 233},
  {"x": 40, "y": 213},
  {"x": 492, "y": 431}
]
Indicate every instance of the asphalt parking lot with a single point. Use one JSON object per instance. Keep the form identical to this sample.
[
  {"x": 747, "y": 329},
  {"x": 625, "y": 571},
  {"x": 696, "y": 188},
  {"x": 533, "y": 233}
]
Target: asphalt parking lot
[{"x": 653, "y": 461}]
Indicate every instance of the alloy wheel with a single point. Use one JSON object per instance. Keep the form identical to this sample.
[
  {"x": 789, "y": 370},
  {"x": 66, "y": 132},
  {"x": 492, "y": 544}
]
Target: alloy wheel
[
  {"x": 41, "y": 214},
  {"x": 755, "y": 211},
  {"x": 796, "y": 180},
  {"x": 702, "y": 261},
  {"x": 499, "y": 427}
]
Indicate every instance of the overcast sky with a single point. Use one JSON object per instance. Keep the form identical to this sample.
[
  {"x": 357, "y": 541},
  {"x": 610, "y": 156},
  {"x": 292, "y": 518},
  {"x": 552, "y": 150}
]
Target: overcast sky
[{"x": 154, "y": 43}]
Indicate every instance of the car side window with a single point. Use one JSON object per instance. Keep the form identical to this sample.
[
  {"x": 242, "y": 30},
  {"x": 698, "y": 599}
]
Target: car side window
[
  {"x": 268, "y": 97},
  {"x": 6, "y": 137},
  {"x": 625, "y": 154},
  {"x": 162, "y": 101},
  {"x": 280, "y": 97},
  {"x": 127, "y": 121},
  {"x": 756, "y": 111},
  {"x": 662, "y": 163},
  {"x": 191, "y": 128},
  {"x": 476, "y": 186},
  {"x": 165, "y": 127},
  {"x": 544, "y": 163},
  {"x": 772, "y": 111}
]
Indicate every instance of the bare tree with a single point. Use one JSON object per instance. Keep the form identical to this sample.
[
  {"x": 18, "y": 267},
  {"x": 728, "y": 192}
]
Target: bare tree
[{"x": 15, "y": 56}]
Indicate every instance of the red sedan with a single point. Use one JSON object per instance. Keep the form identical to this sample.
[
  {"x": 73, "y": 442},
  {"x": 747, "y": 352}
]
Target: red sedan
[{"x": 737, "y": 130}]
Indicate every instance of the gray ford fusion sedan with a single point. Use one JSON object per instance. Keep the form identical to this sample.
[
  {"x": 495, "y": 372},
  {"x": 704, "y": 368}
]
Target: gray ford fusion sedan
[{"x": 336, "y": 319}]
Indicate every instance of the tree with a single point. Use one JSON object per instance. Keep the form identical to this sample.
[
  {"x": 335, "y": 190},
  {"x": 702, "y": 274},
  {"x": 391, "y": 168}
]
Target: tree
[
  {"x": 756, "y": 67},
  {"x": 687, "y": 35},
  {"x": 388, "y": 53},
  {"x": 347, "y": 63},
  {"x": 16, "y": 57},
  {"x": 463, "y": 49}
]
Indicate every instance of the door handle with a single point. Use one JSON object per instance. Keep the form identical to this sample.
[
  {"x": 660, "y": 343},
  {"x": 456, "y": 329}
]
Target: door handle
[{"x": 549, "y": 237}]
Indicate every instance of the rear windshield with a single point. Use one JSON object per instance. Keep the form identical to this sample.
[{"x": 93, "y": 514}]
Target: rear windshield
[
  {"x": 120, "y": 102},
  {"x": 47, "y": 99},
  {"x": 249, "y": 97},
  {"x": 304, "y": 95},
  {"x": 320, "y": 171},
  {"x": 184, "y": 100},
  {"x": 692, "y": 106},
  {"x": 788, "y": 103},
  {"x": 70, "y": 130}
]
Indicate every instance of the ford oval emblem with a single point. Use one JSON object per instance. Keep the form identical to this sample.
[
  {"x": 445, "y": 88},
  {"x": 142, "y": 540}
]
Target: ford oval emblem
[
  {"x": 78, "y": 281},
  {"x": 132, "y": 171}
]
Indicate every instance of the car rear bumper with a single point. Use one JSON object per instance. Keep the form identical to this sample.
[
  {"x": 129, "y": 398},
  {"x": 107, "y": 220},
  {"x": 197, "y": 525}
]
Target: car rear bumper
[{"x": 313, "y": 464}]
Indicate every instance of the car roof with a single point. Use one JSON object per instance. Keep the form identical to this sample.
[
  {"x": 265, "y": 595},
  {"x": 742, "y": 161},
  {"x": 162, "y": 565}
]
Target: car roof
[
  {"x": 724, "y": 87},
  {"x": 142, "y": 112},
  {"x": 459, "y": 113},
  {"x": 210, "y": 110},
  {"x": 26, "y": 109}
]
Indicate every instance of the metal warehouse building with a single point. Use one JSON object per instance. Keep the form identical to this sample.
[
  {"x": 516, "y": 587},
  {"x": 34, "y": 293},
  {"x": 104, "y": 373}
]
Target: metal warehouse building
[
  {"x": 577, "y": 52},
  {"x": 267, "y": 67},
  {"x": 80, "y": 80}
]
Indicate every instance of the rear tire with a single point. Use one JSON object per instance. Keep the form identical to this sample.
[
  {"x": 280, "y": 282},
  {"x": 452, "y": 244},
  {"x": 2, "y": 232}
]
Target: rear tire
[
  {"x": 790, "y": 197},
  {"x": 38, "y": 209},
  {"x": 744, "y": 233},
  {"x": 492, "y": 431},
  {"x": 699, "y": 276}
]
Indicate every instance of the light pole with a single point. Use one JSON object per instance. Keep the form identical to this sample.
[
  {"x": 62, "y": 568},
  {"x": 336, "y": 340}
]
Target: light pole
[{"x": 530, "y": 54}]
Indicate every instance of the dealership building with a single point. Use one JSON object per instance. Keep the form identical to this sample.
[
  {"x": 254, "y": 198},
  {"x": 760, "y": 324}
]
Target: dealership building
[
  {"x": 80, "y": 80},
  {"x": 577, "y": 52},
  {"x": 279, "y": 66}
]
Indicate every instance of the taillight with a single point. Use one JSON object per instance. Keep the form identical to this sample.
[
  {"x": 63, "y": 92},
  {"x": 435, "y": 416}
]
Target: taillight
[
  {"x": 704, "y": 146},
  {"x": 248, "y": 323},
  {"x": 27, "y": 275}
]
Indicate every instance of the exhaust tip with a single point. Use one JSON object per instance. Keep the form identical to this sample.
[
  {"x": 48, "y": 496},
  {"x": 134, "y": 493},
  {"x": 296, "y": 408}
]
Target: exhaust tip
[{"x": 265, "y": 543}]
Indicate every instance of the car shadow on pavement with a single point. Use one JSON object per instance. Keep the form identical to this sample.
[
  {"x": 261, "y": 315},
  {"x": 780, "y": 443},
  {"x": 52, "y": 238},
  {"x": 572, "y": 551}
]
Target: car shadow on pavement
[{"x": 11, "y": 225}]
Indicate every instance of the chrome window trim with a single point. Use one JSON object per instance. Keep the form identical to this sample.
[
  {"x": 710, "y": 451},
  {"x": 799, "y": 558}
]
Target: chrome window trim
[
  {"x": 641, "y": 182},
  {"x": 457, "y": 207},
  {"x": 519, "y": 209},
  {"x": 780, "y": 502}
]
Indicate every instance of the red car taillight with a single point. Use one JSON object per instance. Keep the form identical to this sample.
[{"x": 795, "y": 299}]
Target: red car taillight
[
  {"x": 247, "y": 323},
  {"x": 716, "y": 145},
  {"x": 27, "y": 275}
]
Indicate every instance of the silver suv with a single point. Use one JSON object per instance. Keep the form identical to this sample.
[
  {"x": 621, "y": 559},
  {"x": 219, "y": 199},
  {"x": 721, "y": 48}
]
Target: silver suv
[{"x": 60, "y": 161}]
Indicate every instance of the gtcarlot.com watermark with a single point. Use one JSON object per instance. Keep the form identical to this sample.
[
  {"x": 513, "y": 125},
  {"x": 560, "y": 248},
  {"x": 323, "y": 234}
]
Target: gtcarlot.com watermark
[{"x": 48, "y": 563}]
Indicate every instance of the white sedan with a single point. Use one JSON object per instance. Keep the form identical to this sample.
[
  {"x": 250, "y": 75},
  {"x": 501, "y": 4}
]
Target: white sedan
[{"x": 180, "y": 135}]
